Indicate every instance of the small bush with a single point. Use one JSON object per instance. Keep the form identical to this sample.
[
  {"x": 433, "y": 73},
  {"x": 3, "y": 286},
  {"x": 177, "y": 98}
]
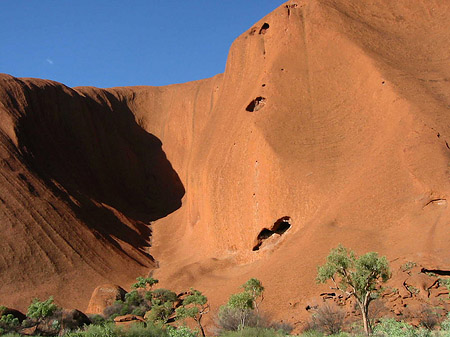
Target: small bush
[
  {"x": 8, "y": 323},
  {"x": 160, "y": 313},
  {"x": 445, "y": 325},
  {"x": 253, "y": 332},
  {"x": 40, "y": 310},
  {"x": 160, "y": 296},
  {"x": 282, "y": 326},
  {"x": 328, "y": 319},
  {"x": 229, "y": 319},
  {"x": 428, "y": 318},
  {"x": 408, "y": 265},
  {"x": 181, "y": 331},
  {"x": 11, "y": 334},
  {"x": 114, "y": 310},
  {"x": 391, "y": 328},
  {"x": 97, "y": 319},
  {"x": 134, "y": 298},
  {"x": 140, "y": 330},
  {"x": 107, "y": 330}
]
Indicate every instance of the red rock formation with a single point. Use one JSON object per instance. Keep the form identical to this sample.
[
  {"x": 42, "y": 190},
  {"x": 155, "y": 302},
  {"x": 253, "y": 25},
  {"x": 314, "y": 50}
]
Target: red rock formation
[
  {"x": 103, "y": 297},
  {"x": 332, "y": 113}
]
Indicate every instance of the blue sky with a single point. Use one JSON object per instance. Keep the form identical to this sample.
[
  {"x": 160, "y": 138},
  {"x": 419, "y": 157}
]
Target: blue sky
[{"x": 108, "y": 43}]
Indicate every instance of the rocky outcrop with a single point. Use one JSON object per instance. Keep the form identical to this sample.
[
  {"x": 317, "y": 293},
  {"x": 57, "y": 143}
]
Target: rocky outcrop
[
  {"x": 103, "y": 297},
  {"x": 331, "y": 112}
]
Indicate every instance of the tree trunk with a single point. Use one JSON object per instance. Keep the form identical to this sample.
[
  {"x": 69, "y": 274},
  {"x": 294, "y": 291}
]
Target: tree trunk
[
  {"x": 365, "y": 315},
  {"x": 201, "y": 328}
]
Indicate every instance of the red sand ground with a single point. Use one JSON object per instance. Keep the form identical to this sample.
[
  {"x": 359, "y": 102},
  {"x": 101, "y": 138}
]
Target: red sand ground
[{"x": 348, "y": 135}]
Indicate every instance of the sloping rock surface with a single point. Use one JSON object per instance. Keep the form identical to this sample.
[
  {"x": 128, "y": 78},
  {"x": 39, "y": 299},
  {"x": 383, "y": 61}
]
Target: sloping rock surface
[{"x": 333, "y": 114}]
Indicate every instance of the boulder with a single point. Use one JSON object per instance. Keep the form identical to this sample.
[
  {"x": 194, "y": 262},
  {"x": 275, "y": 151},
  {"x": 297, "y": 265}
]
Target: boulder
[
  {"x": 72, "y": 319},
  {"x": 421, "y": 281},
  {"x": 127, "y": 320},
  {"x": 104, "y": 296}
]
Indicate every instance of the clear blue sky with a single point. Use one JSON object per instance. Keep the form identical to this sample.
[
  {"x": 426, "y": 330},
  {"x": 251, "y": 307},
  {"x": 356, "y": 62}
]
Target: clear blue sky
[{"x": 108, "y": 43}]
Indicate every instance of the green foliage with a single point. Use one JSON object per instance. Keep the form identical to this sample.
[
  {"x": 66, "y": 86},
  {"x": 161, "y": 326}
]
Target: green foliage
[
  {"x": 314, "y": 333},
  {"x": 160, "y": 296},
  {"x": 110, "y": 330},
  {"x": 160, "y": 313},
  {"x": 408, "y": 266},
  {"x": 181, "y": 331},
  {"x": 97, "y": 319},
  {"x": 194, "y": 306},
  {"x": 134, "y": 303},
  {"x": 445, "y": 283},
  {"x": 445, "y": 325},
  {"x": 253, "y": 332},
  {"x": 255, "y": 288},
  {"x": 391, "y": 328},
  {"x": 359, "y": 277},
  {"x": 9, "y": 321},
  {"x": 10, "y": 334},
  {"x": 241, "y": 301},
  {"x": 40, "y": 310},
  {"x": 240, "y": 306},
  {"x": 230, "y": 319},
  {"x": 162, "y": 305},
  {"x": 144, "y": 282},
  {"x": 107, "y": 330},
  {"x": 133, "y": 298},
  {"x": 140, "y": 330}
]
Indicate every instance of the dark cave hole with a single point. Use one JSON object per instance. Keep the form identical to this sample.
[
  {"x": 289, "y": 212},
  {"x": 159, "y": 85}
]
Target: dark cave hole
[
  {"x": 264, "y": 28},
  {"x": 256, "y": 104},
  {"x": 279, "y": 227}
]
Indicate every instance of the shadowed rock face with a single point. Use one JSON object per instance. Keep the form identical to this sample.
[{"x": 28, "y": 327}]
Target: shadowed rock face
[
  {"x": 82, "y": 181},
  {"x": 332, "y": 114}
]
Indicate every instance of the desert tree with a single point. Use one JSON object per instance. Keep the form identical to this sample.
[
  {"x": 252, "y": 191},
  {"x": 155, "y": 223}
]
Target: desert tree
[
  {"x": 194, "y": 306},
  {"x": 255, "y": 288},
  {"x": 145, "y": 283},
  {"x": 359, "y": 277}
]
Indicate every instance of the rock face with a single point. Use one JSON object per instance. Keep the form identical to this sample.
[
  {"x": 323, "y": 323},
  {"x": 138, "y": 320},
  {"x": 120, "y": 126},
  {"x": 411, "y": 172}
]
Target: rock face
[
  {"x": 104, "y": 296},
  {"x": 333, "y": 114}
]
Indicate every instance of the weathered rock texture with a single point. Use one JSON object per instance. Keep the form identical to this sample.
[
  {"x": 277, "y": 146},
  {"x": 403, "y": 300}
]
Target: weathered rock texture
[{"x": 333, "y": 114}]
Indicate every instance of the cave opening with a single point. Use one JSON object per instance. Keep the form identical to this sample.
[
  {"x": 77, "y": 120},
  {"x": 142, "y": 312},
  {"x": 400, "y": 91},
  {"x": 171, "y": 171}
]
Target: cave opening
[
  {"x": 256, "y": 104},
  {"x": 264, "y": 28},
  {"x": 279, "y": 227}
]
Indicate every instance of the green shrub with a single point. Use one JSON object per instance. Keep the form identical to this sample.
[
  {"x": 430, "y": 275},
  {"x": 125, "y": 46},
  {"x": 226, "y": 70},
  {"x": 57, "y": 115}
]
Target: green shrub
[
  {"x": 160, "y": 296},
  {"x": 140, "y": 330},
  {"x": 160, "y": 313},
  {"x": 194, "y": 306},
  {"x": 9, "y": 321},
  {"x": 134, "y": 298},
  {"x": 97, "y": 319},
  {"x": 253, "y": 332},
  {"x": 11, "y": 334},
  {"x": 144, "y": 283},
  {"x": 445, "y": 325},
  {"x": 181, "y": 331},
  {"x": 40, "y": 310},
  {"x": 230, "y": 319},
  {"x": 408, "y": 266},
  {"x": 391, "y": 328},
  {"x": 107, "y": 330}
]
